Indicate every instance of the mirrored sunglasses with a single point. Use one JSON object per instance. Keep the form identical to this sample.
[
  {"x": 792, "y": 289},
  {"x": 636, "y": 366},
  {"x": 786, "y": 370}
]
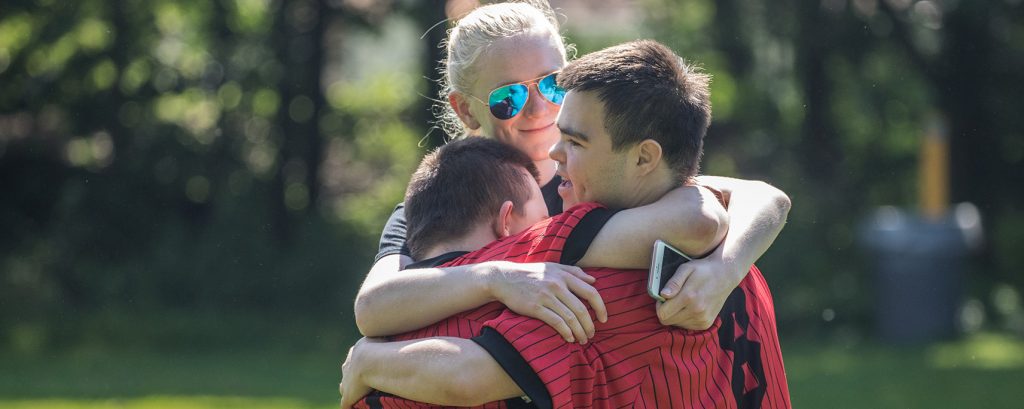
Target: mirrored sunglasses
[{"x": 506, "y": 101}]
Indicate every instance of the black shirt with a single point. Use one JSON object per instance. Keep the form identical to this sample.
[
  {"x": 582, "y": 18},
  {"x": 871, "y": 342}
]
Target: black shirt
[{"x": 392, "y": 239}]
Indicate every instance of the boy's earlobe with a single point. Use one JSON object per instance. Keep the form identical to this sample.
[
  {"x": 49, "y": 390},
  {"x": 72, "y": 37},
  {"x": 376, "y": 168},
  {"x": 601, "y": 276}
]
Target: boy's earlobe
[
  {"x": 648, "y": 154},
  {"x": 503, "y": 225}
]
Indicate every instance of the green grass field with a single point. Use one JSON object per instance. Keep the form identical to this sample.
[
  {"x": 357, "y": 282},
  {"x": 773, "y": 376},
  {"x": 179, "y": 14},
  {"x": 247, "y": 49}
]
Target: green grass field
[{"x": 985, "y": 371}]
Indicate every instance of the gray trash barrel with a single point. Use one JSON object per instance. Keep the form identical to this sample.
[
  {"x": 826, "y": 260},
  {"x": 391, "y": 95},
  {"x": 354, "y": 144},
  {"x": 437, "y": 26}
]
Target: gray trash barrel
[{"x": 918, "y": 273}]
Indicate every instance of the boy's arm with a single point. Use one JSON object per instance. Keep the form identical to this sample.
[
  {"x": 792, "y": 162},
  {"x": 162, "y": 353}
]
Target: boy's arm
[
  {"x": 696, "y": 293},
  {"x": 757, "y": 213},
  {"x": 689, "y": 218},
  {"x": 442, "y": 371},
  {"x": 387, "y": 288}
]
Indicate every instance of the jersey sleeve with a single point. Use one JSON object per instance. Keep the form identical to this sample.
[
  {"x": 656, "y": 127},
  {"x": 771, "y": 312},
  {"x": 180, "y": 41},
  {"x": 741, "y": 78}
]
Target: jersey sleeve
[
  {"x": 583, "y": 233},
  {"x": 392, "y": 239},
  {"x": 553, "y": 373}
]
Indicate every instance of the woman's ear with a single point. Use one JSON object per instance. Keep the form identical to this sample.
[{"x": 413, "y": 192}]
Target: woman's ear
[
  {"x": 648, "y": 156},
  {"x": 503, "y": 222},
  {"x": 460, "y": 103}
]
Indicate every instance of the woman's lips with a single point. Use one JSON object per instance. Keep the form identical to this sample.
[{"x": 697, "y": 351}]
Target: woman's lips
[{"x": 543, "y": 128}]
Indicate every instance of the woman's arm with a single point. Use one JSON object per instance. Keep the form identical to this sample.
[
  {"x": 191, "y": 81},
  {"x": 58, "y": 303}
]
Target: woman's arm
[
  {"x": 757, "y": 212},
  {"x": 546, "y": 291}
]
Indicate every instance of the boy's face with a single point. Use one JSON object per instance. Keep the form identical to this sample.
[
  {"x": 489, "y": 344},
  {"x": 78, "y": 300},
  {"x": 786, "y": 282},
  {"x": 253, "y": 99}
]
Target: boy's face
[
  {"x": 591, "y": 170},
  {"x": 534, "y": 209}
]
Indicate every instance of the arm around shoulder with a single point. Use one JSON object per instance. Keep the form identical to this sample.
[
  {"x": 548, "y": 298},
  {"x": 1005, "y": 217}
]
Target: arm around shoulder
[
  {"x": 689, "y": 218},
  {"x": 381, "y": 306},
  {"x": 750, "y": 196},
  {"x": 757, "y": 213},
  {"x": 441, "y": 371}
]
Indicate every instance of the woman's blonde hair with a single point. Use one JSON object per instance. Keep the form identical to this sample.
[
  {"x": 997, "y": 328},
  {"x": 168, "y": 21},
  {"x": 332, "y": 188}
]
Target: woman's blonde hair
[{"x": 470, "y": 37}]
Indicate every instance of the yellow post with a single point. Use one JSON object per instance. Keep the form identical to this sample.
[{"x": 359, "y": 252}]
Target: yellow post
[{"x": 933, "y": 173}]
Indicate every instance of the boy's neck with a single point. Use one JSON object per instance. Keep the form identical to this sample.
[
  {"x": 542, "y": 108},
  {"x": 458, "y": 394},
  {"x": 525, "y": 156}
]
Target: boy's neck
[{"x": 472, "y": 241}]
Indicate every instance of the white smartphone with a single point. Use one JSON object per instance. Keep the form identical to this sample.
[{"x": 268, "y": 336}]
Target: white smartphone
[{"x": 664, "y": 262}]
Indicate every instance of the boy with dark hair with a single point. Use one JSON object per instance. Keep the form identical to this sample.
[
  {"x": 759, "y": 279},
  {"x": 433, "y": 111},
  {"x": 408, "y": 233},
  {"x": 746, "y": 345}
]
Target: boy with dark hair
[
  {"x": 457, "y": 189},
  {"x": 632, "y": 359}
]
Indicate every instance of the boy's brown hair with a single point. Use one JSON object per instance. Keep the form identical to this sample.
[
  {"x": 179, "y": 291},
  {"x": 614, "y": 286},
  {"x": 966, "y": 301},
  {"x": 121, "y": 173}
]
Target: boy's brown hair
[
  {"x": 459, "y": 185},
  {"x": 648, "y": 92}
]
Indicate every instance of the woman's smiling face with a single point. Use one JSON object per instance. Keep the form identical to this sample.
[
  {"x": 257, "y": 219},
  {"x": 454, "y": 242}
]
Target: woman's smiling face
[{"x": 511, "y": 60}]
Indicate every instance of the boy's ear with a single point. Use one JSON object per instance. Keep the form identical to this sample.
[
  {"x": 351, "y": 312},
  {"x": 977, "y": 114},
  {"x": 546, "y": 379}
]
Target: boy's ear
[
  {"x": 503, "y": 222},
  {"x": 648, "y": 155},
  {"x": 460, "y": 103}
]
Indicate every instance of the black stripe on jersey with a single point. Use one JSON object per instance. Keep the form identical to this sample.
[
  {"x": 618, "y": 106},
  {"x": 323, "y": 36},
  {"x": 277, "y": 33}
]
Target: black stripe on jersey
[
  {"x": 583, "y": 235},
  {"x": 436, "y": 261},
  {"x": 762, "y": 330},
  {"x": 516, "y": 367},
  {"x": 373, "y": 401},
  {"x": 709, "y": 347},
  {"x": 518, "y": 403},
  {"x": 531, "y": 252},
  {"x": 700, "y": 381},
  {"x": 745, "y": 351}
]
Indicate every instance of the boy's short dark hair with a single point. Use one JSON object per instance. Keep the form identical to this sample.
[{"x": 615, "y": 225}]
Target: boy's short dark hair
[
  {"x": 459, "y": 185},
  {"x": 648, "y": 92}
]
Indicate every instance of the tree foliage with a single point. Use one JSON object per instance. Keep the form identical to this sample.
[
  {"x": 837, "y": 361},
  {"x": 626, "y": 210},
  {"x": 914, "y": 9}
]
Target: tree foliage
[{"x": 243, "y": 154}]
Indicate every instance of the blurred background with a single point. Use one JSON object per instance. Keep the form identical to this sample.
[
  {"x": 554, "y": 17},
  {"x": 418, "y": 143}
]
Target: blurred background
[{"x": 191, "y": 191}]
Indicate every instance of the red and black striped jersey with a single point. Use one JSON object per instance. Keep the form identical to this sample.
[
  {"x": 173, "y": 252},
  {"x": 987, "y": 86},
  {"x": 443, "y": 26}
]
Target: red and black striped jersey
[
  {"x": 633, "y": 360},
  {"x": 542, "y": 242}
]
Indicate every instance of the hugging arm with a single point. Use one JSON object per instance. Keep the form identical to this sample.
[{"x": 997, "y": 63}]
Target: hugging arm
[
  {"x": 547, "y": 291},
  {"x": 440, "y": 370},
  {"x": 692, "y": 219},
  {"x": 757, "y": 213},
  {"x": 387, "y": 289},
  {"x": 689, "y": 218},
  {"x": 696, "y": 293}
]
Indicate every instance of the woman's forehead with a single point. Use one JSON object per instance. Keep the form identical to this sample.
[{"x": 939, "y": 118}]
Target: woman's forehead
[{"x": 518, "y": 58}]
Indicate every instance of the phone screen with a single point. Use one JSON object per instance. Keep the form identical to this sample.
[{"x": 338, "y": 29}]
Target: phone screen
[
  {"x": 671, "y": 260},
  {"x": 664, "y": 263}
]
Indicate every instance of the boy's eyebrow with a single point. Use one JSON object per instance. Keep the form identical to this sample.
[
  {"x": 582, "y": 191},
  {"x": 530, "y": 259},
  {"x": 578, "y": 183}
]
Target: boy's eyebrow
[{"x": 573, "y": 133}]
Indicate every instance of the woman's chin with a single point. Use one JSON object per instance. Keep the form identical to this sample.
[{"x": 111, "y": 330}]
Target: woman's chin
[{"x": 536, "y": 154}]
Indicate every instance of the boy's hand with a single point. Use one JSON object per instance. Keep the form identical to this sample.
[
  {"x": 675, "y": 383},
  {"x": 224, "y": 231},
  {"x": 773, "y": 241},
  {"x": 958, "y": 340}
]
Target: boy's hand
[
  {"x": 696, "y": 293},
  {"x": 553, "y": 293},
  {"x": 352, "y": 388}
]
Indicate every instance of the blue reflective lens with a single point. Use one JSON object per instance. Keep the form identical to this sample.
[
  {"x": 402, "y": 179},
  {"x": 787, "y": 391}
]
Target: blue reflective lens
[
  {"x": 507, "y": 101},
  {"x": 548, "y": 87}
]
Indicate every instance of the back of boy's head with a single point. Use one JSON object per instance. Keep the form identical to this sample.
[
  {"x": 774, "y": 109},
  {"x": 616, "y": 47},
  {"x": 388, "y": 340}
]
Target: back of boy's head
[{"x": 460, "y": 185}]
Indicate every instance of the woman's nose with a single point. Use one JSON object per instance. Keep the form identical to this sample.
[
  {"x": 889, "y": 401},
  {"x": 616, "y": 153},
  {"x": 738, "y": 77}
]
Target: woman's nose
[{"x": 536, "y": 104}]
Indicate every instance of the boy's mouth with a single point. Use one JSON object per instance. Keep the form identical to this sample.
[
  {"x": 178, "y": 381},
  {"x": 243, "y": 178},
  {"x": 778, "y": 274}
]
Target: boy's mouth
[{"x": 567, "y": 193}]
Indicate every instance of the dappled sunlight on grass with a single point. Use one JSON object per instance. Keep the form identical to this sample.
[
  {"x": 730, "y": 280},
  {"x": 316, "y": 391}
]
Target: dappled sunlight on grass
[
  {"x": 983, "y": 351},
  {"x": 163, "y": 402},
  {"x": 981, "y": 371}
]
